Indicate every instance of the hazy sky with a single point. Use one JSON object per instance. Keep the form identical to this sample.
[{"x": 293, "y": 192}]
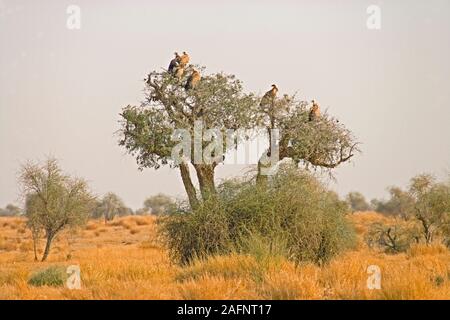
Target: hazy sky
[{"x": 61, "y": 90}]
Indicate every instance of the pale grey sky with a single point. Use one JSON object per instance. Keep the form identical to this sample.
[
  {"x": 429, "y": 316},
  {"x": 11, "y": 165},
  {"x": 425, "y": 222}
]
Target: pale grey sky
[{"x": 61, "y": 90}]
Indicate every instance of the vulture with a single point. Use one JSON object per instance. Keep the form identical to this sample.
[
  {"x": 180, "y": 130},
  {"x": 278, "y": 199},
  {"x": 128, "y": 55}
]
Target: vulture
[
  {"x": 179, "y": 71},
  {"x": 174, "y": 63},
  {"x": 269, "y": 96},
  {"x": 193, "y": 80},
  {"x": 314, "y": 113},
  {"x": 184, "y": 59}
]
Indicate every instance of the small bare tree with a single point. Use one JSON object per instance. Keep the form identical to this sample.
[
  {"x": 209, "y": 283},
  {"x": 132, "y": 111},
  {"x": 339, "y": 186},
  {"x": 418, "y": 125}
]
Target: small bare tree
[{"x": 54, "y": 201}]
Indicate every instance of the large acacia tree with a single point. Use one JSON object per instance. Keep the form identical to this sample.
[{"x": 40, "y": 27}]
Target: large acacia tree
[{"x": 219, "y": 101}]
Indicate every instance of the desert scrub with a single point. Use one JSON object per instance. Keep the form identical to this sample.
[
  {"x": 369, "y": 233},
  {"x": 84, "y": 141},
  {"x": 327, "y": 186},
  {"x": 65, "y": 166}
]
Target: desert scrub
[
  {"x": 392, "y": 237},
  {"x": 54, "y": 276},
  {"x": 294, "y": 216}
]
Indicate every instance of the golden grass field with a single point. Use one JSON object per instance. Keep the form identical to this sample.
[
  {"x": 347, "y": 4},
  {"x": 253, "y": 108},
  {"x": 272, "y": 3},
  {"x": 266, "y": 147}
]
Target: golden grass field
[{"x": 124, "y": 260}]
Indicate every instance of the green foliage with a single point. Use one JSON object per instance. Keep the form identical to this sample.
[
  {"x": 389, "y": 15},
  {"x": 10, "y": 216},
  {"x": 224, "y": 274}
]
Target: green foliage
[
  {"x": 54, "y": 276},
  {"x": 149, "y": 131},
  {"x": 400, "y": 203},
  {"x": 295, "y": 217},
  {"x": 160, "y": 204},
  {"x": 431, "y": 206},
  {"x": 109, "y": 207},
  {"x": 10, "y": 211},
  {"x": 392, "y": 238},
  {"x": 217, "y": 102},
  {"x": 197, "y": 234},
  {"x": 357, "y": 202},
  {"x": 324, "y": 142},
  {"x": 54, "y": 201},
  {"x": 426, "y": 202}
]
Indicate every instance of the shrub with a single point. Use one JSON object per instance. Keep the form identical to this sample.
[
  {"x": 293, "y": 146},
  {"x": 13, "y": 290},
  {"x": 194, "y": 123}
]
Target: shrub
[
  {"x": 197, "y": 234},
  {"x": 426, "y": 202},
  {"x": 134, "y": 231},
  {"x": 159, "y": 204},
  {"x": 294, "y": 216},
  {"x": 431, "y": 206},
  {"x": 400, "y": 203},
  {"x": 357, "y": 202},
  {"x": 392, "y": 238},
  {"x": 54, "y": 276}
]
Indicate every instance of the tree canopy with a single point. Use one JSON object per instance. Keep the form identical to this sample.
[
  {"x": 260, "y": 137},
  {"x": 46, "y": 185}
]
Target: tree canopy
[
  {"x": 54, "y": 200},
  {"x": 151, "y": 131}
]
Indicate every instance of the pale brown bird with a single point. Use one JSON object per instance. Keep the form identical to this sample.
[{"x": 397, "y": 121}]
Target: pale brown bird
[
  {"x": 193, "y": 80},
  {"x": 174, "y": 63},
  {"x": 179, "y": 71},
  {"x": 314, "y": 113},
  {"x": 269, "y": 96},
  {"x": 184, "y": 59}
]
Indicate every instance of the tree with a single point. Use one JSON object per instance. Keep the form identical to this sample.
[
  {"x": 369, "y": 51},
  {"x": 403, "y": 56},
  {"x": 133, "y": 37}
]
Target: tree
[
  {"x": 148, "y": 130},
  {"x": 431, "y": 205},
  {"x": 54, "y": 201},
  {"x": 400, "y": 203},
  {"x": 10, "y": 211},
  {"x": 32, "y": 212},
  {"x": 159, "y": 204},
  {"x": 109, "y": 207},
  {"x": 357, "y": 202},
  {"x": 425, "y": 202},
  {"x": 220, "y": 103},
  {"x": 393, "y": 237},
  {"x": 322, "y": 143}
]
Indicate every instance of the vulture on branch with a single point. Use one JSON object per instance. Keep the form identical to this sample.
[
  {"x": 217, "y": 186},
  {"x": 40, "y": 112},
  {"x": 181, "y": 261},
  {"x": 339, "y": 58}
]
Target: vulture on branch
[
  {"x": 269, "y": 96},
  {"x": 179, "y": 71},
  {"x": 193, "y": 80},
  {"x": 184, "y": 59},
  {"x": 174, "y": 63},
  {"x": 314, "y": 113}
]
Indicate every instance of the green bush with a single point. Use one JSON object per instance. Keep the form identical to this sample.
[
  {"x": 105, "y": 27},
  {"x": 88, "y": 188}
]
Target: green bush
[
  {"x": 54, "y": 276},
  {"x": 294, "y": 216},
  {"x": 392, "y": 238},
  {"x": 357, "y": 202}
]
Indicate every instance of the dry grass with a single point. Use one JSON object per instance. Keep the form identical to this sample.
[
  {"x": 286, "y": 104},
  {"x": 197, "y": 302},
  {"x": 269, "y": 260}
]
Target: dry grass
[{"x": 124, "y": 260}]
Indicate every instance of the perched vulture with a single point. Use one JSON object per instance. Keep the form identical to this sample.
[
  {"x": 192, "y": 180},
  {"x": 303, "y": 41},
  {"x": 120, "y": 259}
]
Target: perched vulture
[
  {"x": 179, "y": 71},
  {"x": 314, "y": 113},
  {"x": 174, "y": 63},
  {"x": 269, "y": 96},
  {"x": 193, "y": 80},
  {"x": 184, "y": 59}
]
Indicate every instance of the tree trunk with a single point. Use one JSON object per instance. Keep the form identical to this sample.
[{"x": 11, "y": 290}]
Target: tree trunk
[
  {"x": 35, "y": 240},
  {"x": 261, "y": 179},
  {"x": 205, "y": 175},
  {"x": 427, "y": 232},
  {"x": 47, "y": 247},
  {"x": 264, "y": 165},
  {"x": 188, "y": 185}
]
